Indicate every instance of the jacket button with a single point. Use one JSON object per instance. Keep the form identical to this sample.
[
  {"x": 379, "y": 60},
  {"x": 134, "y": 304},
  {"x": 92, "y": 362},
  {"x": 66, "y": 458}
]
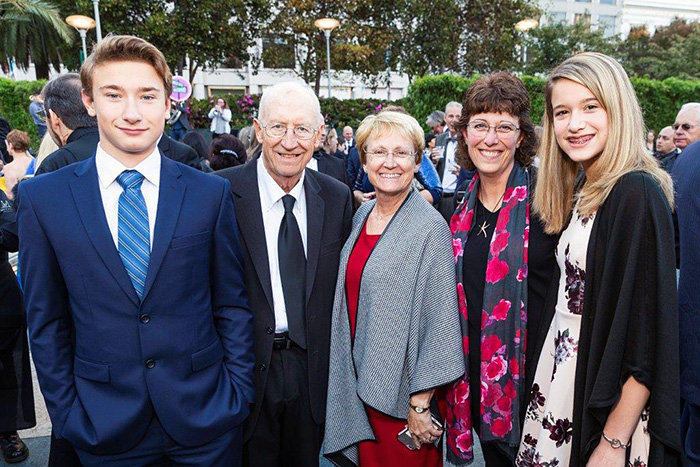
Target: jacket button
[
  {"x": 269, "y": 330},
  {"x": 262, "y": 367},
  {"x": 145, "y": 318},
  {"x": 150, "y": 364}
]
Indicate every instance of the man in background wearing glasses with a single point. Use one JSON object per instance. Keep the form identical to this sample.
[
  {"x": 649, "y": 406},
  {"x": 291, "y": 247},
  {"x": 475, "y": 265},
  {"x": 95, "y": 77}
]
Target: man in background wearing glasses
[
  {"x": 687, "y": 125},
  {"x": 294, "y": 223}
]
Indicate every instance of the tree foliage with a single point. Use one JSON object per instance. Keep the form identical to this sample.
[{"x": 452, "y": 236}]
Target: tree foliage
[
  {"x": 32, "y": 30},
  {"x": 209, "y": 32}
]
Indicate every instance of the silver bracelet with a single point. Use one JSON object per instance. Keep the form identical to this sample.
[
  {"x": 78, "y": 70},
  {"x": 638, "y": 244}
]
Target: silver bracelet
[{"x": 616, "y": 443}]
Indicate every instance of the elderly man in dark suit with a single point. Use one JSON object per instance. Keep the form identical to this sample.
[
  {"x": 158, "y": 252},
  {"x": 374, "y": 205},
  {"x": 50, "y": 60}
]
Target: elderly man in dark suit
[
  {"x": 293, "y": 222},
  {"x": 686, "y": 174},
  {"x": 444, "y": 157}
]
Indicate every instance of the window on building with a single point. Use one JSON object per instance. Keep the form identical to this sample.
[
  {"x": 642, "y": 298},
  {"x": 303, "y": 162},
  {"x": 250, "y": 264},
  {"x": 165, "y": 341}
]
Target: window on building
[
  {"x": 278, "y": 52},
  {"x": 583, "y": 1},
  {"x": 607, "y": 24},
  {"x": 608, "y": 2},
  {"x": 557, "y": 17}
]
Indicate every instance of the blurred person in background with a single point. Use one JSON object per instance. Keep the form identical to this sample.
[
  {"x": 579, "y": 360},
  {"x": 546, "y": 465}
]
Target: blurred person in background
[
  {"x": 178, "y": 121},
  {"x": 23, "y": 163},
  {"x": 36, "y": 110},
  {"x": 197, "y": 142},
  {"x": 687, "y": 125},
  {"x": 436, "y": 122},
  {"x": 47, "y": 146},
  {"x": 220, "y": 116},
  {"x": 666, "y": 150},
  {"x": 226, "y": 151}
]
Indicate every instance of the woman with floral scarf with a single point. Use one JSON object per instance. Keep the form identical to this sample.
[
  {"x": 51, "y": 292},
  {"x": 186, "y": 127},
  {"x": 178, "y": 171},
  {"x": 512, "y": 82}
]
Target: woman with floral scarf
[{"x": 504, "y": 264}]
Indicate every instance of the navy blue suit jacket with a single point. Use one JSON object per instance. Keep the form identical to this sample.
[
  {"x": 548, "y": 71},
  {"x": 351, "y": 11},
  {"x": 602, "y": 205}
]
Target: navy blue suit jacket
[
  {"x": 193, "y": 323},
  {"x": 686, "y": 174}
]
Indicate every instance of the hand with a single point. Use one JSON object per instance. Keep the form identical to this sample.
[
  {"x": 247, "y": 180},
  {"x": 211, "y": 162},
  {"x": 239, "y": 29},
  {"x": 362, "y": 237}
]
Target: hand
[
  {"x": 605, "y": 456},
  {"x": 436, "y": 154},
  {"x": 421, "y": 427},
  {"x": 455, "y": 169},
  {"x": 368, "y": 196}
]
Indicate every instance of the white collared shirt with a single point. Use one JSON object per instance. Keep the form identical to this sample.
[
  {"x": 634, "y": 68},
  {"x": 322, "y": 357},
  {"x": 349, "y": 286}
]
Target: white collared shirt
[
  {"x": 312, "y": 164},
  {"x": 449, "y": 180},
  {"x": 272, "y": 213},
  {"x": 108, "y": 169}
]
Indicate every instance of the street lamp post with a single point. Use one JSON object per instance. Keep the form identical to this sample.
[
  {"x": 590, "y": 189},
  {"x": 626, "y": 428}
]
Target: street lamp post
[
  {"x": 83, "y": 24},
  {"x": 327, "y": 25},
  {"x": 96, "y": 6},
  {"x": 524, "y": 26}
]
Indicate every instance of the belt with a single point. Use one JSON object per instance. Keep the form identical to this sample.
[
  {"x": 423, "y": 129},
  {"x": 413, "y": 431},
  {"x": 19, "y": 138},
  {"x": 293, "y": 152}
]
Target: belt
[
  {"x": 448, "y": 195},
  {"x": 282, "y": 341}
]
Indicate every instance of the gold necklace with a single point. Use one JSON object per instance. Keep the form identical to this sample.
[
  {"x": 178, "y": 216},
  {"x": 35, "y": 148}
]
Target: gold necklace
[{"x": 485, "y": 225}]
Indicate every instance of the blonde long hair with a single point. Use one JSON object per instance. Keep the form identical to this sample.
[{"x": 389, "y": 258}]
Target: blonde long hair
[{"x": 624, "y": 151}]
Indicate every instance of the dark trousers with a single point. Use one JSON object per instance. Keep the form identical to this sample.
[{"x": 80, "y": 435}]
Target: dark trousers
[
  {"x": 446, "y": 206},
  {"x": 177, "y": 133},
  {"x": 62, "y": 454},
  {"x": 158, "y": 449},
  {"x": 690, "y": 433},
  {"x": 285, "y": 433}
]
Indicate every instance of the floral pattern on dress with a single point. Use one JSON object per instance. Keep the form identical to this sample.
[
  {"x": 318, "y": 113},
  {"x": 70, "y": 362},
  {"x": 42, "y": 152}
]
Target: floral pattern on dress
[
  {"x": 575, "y": 283},
  {"x": 565, "y": 348}
]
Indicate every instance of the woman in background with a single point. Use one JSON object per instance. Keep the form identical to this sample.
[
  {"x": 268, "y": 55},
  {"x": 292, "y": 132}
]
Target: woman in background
[
  {"x": 220, "y": 116},
  {"x": 226, "y": 151}
]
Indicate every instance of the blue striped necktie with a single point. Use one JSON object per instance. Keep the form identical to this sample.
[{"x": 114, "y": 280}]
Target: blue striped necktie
[{"x": 134, "y": 234}]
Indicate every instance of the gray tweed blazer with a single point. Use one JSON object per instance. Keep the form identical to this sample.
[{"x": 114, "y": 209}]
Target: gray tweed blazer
[{"x": 407, "y": 337}]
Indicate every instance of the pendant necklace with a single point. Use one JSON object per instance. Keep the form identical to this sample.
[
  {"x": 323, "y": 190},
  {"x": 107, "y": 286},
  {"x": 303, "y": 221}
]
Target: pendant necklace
[{"x": 485, "y": 225}]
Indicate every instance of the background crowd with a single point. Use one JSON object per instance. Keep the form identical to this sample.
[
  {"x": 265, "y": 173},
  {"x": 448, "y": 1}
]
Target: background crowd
[{"x": 532, "y": 284}]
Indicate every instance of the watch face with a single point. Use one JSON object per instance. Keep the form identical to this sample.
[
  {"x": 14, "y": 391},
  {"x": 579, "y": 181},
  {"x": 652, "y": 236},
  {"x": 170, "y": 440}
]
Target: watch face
[{"x": 419, "y": 409}]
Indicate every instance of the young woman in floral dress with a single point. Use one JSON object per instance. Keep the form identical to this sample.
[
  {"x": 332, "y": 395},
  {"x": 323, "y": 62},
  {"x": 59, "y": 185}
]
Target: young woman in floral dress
[{"x": 605, "y": 390}]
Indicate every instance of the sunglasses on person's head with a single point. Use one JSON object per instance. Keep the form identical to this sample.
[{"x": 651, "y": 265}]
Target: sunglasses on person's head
[{"x": 684, "y": 126}]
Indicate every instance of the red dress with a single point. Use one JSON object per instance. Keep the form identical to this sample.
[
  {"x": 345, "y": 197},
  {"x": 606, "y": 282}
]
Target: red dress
[{"x": 386, "y": 451}]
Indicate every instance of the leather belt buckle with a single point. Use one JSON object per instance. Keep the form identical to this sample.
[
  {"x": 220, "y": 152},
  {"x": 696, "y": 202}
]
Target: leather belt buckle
[{"x": 282, "y": 341}]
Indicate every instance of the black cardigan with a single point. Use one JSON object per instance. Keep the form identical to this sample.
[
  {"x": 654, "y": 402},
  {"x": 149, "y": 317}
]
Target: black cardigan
[{"x": 629, "y": 325}]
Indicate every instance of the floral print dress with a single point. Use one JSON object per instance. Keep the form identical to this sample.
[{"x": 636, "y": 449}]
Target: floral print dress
[{"x": 548, "y": 428}]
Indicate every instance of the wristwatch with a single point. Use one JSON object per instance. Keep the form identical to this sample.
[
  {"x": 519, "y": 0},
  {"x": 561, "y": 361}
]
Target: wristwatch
[{"x": 419, "y": 409}]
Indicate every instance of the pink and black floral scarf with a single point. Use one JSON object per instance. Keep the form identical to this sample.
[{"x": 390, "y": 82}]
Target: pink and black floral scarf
[{"x": 503, "y": 323}]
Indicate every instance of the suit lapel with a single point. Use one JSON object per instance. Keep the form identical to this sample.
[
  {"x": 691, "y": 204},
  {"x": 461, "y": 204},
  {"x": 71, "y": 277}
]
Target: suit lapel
[
  {"x": 86, "y": 194},
  {"x": 170, "y": 196},
  {"x": 315, "y": 208},
  {"x": 251, "y": 225}
]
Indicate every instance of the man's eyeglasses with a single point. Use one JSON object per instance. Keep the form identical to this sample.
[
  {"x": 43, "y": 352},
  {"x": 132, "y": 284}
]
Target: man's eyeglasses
[
  {"x": 480, "y": 128},
  {"x": 684, "y": 126},
  {"x": 278, "y": 130},
  {"x": 383, "y": 154}
]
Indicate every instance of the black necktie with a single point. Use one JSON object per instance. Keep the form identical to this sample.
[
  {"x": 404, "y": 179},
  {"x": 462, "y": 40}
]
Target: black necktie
[{"x": 292, "y": 261}]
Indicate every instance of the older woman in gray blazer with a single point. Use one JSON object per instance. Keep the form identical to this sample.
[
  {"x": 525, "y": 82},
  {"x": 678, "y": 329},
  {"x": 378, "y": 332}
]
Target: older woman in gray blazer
[{"x": 395, "y": 332}]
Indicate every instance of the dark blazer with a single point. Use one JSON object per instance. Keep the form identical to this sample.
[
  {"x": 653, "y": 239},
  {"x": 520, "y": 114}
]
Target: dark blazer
[
  {"x": 353, "y": 165},
  {"x": 331, "y": 166},
  {"x": 686, "y": 173},
  {"x": 441, "y": 140},
  {"x": 82, "y": 144},
  {"x": 183, "y": 352},
  {"x": 329, "y": 218}
]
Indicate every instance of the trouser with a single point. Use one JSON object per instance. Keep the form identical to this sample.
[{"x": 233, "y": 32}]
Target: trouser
[
  {"x": 285, "y": 433},
  {"x": 157, "y": 448},
  {"x": 446, "y": 206},
  {"x": 690, "y": 433}
]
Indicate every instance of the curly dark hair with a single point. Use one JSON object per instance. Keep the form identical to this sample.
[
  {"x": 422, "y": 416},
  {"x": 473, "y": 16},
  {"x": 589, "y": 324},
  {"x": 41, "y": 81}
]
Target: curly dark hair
[{"x": 503, "y": 93}]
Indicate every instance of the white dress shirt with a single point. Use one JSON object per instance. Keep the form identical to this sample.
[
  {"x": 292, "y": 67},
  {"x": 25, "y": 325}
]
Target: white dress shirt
[
  {"x": 312, "y": 164},
  {"x": 449, "y": 180},
  {"x": 272, "y": 212},
  {"x": 108, "y": 169}
]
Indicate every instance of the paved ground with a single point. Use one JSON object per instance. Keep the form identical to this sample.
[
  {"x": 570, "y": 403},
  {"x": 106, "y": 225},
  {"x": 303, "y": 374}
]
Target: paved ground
[{"x": 38, "y": 438}]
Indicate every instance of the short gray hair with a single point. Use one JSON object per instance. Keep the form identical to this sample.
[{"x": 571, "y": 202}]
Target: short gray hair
[
  {"x": 62, "y": 96},
  {"x": 437, "y": 117},
  {"x": 452, "y": 104},
  {"x": 273, "y": 94},
  {"x": 695, "y": 106}
]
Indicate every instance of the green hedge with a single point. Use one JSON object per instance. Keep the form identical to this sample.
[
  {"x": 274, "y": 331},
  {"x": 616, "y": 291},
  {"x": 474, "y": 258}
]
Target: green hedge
[
  {"x": 14, "y": 105},
  {"x": 660, "y": 101}
]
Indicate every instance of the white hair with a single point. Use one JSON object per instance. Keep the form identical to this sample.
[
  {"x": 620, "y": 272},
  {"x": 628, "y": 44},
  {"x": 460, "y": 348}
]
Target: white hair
[
  {"x": 694, "y": 106},
  {"x": 274, "y": 94},
  {"x": 453, "y": 104}
]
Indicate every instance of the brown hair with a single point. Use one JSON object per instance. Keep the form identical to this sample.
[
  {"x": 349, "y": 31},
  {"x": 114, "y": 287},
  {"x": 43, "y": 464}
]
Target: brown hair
[
  {"x": 126, "y": 48},
  {"x": 19, "y": 140},
  {"x": 498, "y": 92}
]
